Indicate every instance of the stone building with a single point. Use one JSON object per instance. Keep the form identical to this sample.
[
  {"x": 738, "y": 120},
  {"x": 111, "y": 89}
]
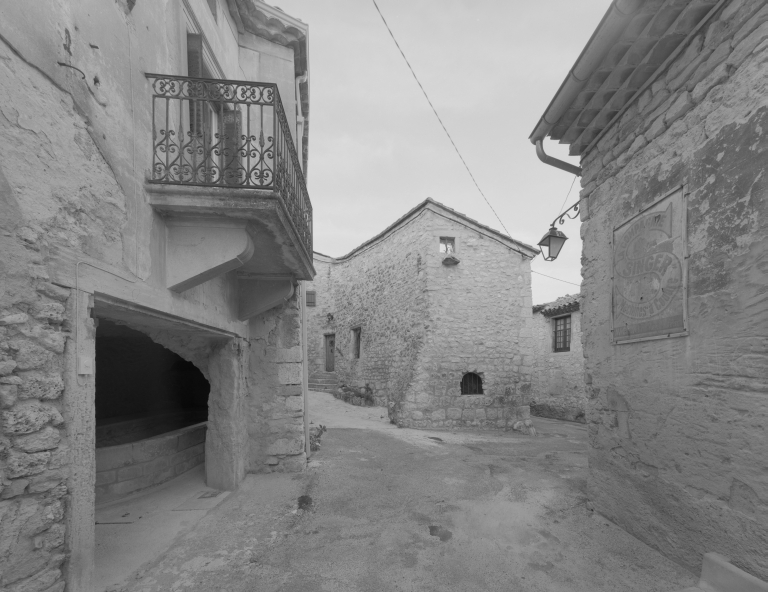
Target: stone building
[
  {"x": 557, "y": 379},
  {"x": 154, "y": 230},
  {"x": 667, "y": 106},
  {"x": 431, "y": 317}
]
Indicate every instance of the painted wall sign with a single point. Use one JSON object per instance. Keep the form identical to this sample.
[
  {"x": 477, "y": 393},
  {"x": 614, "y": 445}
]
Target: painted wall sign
[{"x": 649, "y": 272}]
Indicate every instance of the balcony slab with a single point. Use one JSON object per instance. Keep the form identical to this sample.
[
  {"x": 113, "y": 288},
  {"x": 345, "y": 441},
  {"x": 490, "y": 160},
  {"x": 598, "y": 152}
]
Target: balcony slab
[{"x": 277, "y": 246}]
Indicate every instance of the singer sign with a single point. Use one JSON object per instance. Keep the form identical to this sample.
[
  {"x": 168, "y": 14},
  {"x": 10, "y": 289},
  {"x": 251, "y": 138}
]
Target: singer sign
[{"x": 649, "y": 272}]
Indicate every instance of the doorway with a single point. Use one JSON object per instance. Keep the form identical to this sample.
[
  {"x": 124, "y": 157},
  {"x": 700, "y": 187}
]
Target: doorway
[{"x": 330, "y": 345}]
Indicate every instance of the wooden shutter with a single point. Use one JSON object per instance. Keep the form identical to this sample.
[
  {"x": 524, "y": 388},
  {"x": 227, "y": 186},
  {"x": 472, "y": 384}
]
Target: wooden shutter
[
  {"x": 233, "y": 125},
  {"x": 195, "y": 70}
]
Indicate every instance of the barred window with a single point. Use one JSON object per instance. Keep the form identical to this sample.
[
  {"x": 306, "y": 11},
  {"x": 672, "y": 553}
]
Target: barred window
[
  {"x": 447, "y": 245},
  {"x": 562, "y": 340},
  {"x": 471, "y": 384},
  {"x": 311, "y": 298}
]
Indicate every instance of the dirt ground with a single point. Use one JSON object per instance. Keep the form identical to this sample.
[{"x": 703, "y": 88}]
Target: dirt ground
[{"x": 384, "y": 509}]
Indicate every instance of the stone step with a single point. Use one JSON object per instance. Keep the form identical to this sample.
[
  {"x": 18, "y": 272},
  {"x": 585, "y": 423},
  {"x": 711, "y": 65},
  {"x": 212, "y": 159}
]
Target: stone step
[
  {"x": 322, "y": 389},
  {"x": 326, "y": 382}
]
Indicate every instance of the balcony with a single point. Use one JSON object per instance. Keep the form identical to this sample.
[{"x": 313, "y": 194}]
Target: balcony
[{"x": 227, "y": 179}]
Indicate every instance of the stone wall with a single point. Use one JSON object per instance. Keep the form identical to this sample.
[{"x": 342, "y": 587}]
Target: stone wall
[
  {"x": 677, "y": 426},
  {"x": 127, "y": 468},
  {"x": 55, "y": 189},
  {"x": 74, "y": 212},
  {"x": 557, "y": 384},
  {"x": 480, "y": 322},
  {"x": 380, "y": 289},
  {"x": 425, "y": 324},
  {"x": 275, "y": 393}
]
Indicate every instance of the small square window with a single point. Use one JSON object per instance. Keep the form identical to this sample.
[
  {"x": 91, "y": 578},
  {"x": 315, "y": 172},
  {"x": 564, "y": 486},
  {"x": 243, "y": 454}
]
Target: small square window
[
  {"x": 311, "y": 298},
  {"x": 562, "y": 336},
  {"x": 356, "y": 342},
  {"x": 447, "y": 245}
]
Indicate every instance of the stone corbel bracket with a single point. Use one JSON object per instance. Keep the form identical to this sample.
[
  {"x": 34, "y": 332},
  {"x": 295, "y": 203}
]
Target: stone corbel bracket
[
  {"x": 259, "y": 295},
  {"x": 200, "y": 249}
]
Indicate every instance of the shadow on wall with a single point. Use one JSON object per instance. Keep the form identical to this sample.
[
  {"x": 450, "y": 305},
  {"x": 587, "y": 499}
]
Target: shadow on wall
[{"x": 142, "y": 388}]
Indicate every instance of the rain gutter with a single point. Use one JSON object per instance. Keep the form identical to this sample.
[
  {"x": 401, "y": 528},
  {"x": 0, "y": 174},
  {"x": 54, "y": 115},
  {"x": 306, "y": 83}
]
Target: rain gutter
[{"x": 603, "y": 39}]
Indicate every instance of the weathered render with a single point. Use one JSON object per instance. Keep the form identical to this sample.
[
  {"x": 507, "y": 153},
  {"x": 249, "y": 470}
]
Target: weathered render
[
  {"x": 85, "y": 237},
  {"x": 557, "y": 379},
  {"x": 677, "y": 423},
  {"x": 425, "y": 321}
]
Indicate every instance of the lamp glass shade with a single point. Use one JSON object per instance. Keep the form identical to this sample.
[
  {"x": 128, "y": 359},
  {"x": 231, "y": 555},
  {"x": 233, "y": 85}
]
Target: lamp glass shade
[{"x": 551, "y": 244}]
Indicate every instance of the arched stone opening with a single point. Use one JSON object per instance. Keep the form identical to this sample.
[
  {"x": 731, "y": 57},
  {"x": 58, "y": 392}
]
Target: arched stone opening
[
  {"x": 143, "y": 389},
  {"x": 151, "y": 408},
  {"x": 471, "y": 384}
]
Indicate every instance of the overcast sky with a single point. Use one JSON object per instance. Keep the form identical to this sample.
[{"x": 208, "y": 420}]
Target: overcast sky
[{"x": 490, "y": 68}]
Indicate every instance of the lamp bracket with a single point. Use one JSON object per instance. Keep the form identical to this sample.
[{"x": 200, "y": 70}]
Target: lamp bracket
[{"x": 561, "y": 218}]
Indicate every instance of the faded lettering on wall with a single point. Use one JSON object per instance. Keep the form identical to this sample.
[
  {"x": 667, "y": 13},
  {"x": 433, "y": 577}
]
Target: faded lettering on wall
[{"x": 649, "y": 272}]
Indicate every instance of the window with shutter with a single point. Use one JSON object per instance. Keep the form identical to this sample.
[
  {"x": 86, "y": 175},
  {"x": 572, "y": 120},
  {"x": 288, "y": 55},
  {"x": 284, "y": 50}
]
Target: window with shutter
[
  {"x": 311, "y": 298},
  {"x": 195, "y": 70},
  {"x": 562, "y": 336},
  {"x": 213, "y": 149},
  {"x": 234, "y": 173}
]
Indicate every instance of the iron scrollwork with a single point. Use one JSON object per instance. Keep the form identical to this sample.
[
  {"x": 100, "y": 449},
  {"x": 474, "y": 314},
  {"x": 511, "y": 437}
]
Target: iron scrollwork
[
  {"x": 560, "y": 219},
  {"x": 228, "y": 133}
]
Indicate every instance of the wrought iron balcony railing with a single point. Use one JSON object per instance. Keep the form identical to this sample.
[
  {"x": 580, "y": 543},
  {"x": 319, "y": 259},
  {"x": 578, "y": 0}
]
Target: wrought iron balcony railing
[{"x": 228, "y": 133}]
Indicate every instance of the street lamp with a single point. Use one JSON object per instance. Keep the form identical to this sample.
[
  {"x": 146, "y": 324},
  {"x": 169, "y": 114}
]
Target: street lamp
[
  {"x": 554, "y": 240},
  {"x": 551, "y": 244}
]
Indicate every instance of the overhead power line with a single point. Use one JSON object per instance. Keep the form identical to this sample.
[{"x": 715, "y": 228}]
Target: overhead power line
[
  {"x": 455, "y": 147},
  {"x": 567, "y": 195},
  {"x": 447, "y": 133},
  {"x": 554, "y": 278}
]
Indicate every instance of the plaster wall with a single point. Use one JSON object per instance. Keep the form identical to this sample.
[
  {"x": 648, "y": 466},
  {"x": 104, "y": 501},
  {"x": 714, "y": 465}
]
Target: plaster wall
[
  {"x": 424, "y": 324},
  {"x": 557, "y": 383},
  {"x": 677, "y": 426},
  {"x": 75, "y": 230}
]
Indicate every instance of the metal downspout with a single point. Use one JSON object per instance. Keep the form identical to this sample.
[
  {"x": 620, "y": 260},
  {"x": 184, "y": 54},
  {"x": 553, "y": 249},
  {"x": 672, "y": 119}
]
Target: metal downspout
[{"x": 555, "y": 162}]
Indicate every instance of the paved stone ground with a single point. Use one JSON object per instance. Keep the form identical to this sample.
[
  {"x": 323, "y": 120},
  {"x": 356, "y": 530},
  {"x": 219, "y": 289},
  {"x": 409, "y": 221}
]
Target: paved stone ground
[{"x": 399, "y": 510}]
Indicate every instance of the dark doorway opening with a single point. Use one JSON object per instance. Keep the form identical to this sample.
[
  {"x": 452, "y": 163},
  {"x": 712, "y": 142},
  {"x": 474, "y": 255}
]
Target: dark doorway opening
[
  {"x": 330, "y": 345},
  {"x": 142, "y": 388}
]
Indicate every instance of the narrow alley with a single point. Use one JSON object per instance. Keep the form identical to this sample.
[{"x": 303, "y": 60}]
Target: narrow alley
[{"x": 386, "y": 509}]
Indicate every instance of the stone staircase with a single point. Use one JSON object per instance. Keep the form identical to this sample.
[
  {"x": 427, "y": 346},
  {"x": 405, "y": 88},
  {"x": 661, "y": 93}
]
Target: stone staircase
[{"x": 323, "y": 381}]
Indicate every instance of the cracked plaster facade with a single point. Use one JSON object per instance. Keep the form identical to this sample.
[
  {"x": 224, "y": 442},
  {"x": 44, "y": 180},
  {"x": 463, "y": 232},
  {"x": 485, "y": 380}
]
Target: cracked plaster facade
[
  {"x": 425, "y": 324},
  {"x": 79, "y": 242},
  {"x": 677, "y": 426}
]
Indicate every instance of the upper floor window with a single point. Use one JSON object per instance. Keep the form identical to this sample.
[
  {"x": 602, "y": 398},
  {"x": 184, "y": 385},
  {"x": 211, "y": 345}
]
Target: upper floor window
[
  {"x": 356, "y": 342},
  {"x": 471, "y": 384},
  {"x": 311, "y": 298},
  {"x": 447, "y": 245},
  {"x": 562, "y": 337}
]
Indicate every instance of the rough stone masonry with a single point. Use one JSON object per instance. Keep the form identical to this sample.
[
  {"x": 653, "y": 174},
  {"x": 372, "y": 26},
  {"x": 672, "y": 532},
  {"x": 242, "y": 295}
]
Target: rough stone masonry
[
  {"x": 425, "y": 322},
  {"x": 678, "y": 446}
]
